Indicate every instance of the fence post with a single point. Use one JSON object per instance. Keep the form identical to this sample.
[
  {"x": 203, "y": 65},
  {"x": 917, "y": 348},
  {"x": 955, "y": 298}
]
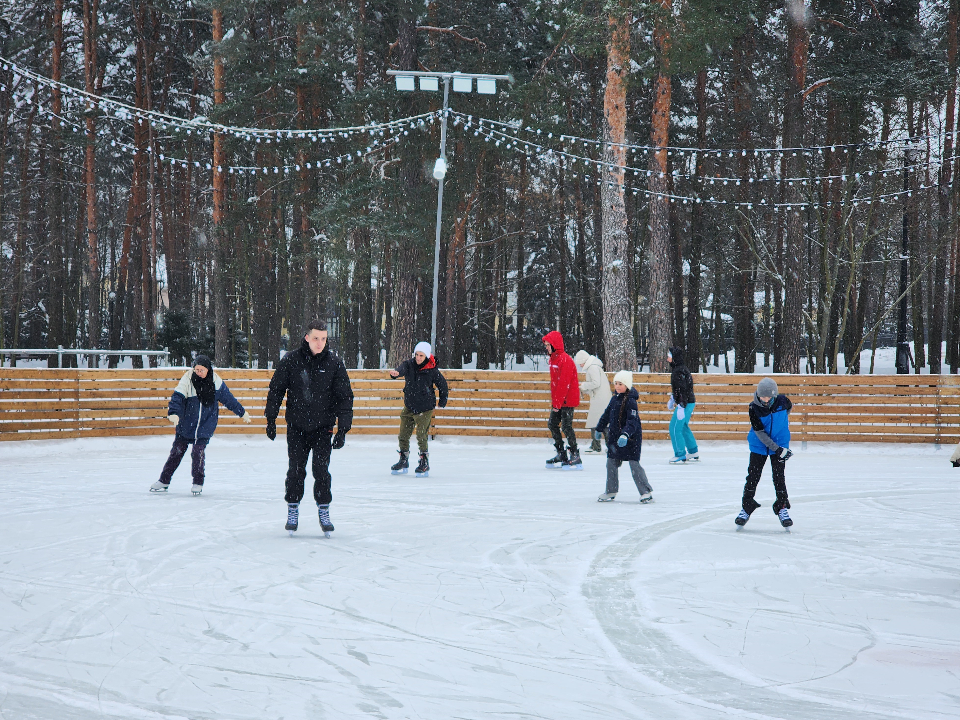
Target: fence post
[{"x": 939, "y": 419}]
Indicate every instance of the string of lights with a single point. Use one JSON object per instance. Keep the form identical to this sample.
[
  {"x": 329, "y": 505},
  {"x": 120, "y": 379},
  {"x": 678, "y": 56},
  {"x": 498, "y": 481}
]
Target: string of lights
[
  {"x": 808, "y": 150},
  {"x": 118, "y": 110},
  {"x": 539, "y": 153}
]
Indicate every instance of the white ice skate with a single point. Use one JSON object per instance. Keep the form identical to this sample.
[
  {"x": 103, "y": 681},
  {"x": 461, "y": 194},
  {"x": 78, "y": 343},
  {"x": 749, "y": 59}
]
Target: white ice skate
[
  {"x": 606, "y": 497},
  {"x": 159, "y": 487},
  {"x": 196, "y": 489},
  {"x": 646, "y": 498}
]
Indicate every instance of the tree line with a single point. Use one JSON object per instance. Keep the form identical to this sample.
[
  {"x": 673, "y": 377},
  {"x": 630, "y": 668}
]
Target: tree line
[{"x": 713, "y": 174}]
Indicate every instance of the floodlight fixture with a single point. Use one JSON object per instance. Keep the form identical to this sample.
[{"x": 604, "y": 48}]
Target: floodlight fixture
[
  {"x": 462, "y": 84},
  {"x": 440, "y": 169},
  {"x": 486, "y": 86},
  {"x": 406, "y": 83},
  {"x": 430, "y": 84}
]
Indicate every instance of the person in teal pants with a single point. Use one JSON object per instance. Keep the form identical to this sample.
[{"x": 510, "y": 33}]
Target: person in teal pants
[{"x": 682, "y": 402}]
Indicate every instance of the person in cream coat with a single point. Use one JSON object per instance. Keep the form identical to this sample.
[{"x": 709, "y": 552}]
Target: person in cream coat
[{"x": 597, "y": 388}]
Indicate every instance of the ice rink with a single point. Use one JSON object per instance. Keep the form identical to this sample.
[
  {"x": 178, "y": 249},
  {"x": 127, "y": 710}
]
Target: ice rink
[{"x": 492, "y": 589}]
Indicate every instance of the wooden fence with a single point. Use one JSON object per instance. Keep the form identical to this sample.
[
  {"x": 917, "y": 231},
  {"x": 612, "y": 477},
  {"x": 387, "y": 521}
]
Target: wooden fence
[{"x": 38, "y": 404}]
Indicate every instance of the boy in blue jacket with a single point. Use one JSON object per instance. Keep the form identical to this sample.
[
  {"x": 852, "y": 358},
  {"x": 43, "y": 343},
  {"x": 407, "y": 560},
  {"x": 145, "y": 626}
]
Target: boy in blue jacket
[
  {"x": 194, "y": 409},
  {"x": 621, "y": 420},
  {"x": 769, "y": 435}
]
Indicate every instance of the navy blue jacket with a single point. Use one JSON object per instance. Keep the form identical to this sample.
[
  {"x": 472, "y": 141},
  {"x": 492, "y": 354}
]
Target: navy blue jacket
[
  {"x": 621, "y": 417},
  {"x": 769, "y": 425},
  {"x": 198, "y": 421}
]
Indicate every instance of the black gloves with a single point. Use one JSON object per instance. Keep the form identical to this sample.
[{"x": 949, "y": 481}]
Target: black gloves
[
  {"x": 272, "y": 429},
  {"x": 339, "y": 439},
  {"x": 783, "y": 454}
]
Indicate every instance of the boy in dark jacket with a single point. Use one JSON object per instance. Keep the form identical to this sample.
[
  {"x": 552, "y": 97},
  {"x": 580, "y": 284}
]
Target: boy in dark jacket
[
  {"x": 621, "y": 420},
  {"x": 420, "y": 375},
  {"x": 318, "y": 392},
  {"x": 564, "y": 397},
  {"x": 769, "y": 435},
  {"x": 195, "y": 409},
  {"x": 682, "y": 401}
]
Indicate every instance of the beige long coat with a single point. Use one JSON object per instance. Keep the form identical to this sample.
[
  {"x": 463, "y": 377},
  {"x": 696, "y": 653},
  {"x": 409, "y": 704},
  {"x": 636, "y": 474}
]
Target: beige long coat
[{"x": 596, "y": 386}]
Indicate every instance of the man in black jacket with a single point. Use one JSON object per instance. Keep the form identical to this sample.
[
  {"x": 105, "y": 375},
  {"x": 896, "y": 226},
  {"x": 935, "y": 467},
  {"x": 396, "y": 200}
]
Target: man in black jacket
[
  {"x": 421, "y": 374},
  {"x": 319, "y": 395}
]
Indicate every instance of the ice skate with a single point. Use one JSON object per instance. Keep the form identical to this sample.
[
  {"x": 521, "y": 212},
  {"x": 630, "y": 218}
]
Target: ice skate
[
  {"x": 402, "y": 465},
  {"x": 594, "y": 448},
  {"x": 646, "y": 498},
  {"x": 742, "y": 518},
  {"x": 784, "y": 518},
  {"x": 574, "y": 462},
  {"x": 678, "y": 460},
  {"x": 196, "y": 489},
  {"x": 557, "y": 460},
  {"x": 423, "y": 469},
  {"x": 693, "y": 458},
  {"x": 293, "y": 518},
  {"x": 159, "y": 487},
  {"x": 606, "y": 497},
  {"x": 324, "y": 512}
]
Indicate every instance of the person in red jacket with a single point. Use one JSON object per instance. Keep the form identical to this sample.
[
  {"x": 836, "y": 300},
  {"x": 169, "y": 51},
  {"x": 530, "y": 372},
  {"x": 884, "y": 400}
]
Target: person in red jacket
[{"x": 565, "y": 396}]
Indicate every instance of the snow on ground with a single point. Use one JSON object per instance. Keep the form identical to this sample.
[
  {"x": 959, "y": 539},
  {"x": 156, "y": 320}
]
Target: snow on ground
[{"x": 493, "y": 589}]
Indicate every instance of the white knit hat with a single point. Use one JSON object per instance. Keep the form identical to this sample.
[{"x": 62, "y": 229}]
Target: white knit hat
[
  {"x": 581, "y": 357},
  {"x": 423, "y": 347},
  {"x": 625, "y": 377}
]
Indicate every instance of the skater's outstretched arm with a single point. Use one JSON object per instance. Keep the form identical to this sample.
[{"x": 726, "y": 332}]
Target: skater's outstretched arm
[
  {"x": 441, "y": 383},
  {"x": 229, "y": 401}
]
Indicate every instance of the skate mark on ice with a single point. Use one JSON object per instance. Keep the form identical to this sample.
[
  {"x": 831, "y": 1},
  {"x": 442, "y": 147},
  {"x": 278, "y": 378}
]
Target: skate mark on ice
[{"x": 685, "y": 677}]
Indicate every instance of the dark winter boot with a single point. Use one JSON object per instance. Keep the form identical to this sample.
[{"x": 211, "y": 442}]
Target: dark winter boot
[
  {"x": 574, "y": 462},
  {"x": 423, "y": 469},
  {"x": 402, "y": 465},
  {"x": 557, "y": 460},
  {"x": 324, "y": 512},
  {"x": 293, "y": 517}
]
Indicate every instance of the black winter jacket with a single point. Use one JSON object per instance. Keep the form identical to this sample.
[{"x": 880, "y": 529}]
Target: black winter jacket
[
  {"x": 317, "y": 388},
  {"x": 418, "y": 385},
  {"x": 681, "y": 381},
  {"x": 621, "y": 417}
]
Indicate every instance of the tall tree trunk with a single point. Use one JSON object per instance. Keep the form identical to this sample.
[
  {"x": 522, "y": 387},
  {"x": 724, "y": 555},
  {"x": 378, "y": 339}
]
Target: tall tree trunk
[
  {"x": 743, "y": 283},
  {"x": 90, "y": 67},
  {"x": 659, "y": 213},
  {"x": 221, "y": 309},
  {"x": 798, "y": 41},
  {"x": 694, "y": 348},
  {"x": 56, "y": 300},
  {"x": 944, "y": 197},
  {"x": 519, "y": 317}
]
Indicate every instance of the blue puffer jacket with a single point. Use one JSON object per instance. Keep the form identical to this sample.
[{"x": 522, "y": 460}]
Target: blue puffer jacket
[
  {"x": 622, "y": 405},
  {"x": 769, "y": 425},
  {"x": 197, "y": 421}
]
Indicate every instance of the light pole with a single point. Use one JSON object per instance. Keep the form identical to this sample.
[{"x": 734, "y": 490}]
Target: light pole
[{"x": 462, "y": 83}]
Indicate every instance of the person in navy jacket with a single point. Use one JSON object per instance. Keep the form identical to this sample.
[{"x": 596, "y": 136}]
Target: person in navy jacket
[
  {"x": 195, "y": 409},
  {"x": 769, "y": 436},
  {"x": 621, "y": 421}
]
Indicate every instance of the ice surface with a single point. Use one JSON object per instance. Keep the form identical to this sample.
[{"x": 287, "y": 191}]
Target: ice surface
[{"x": 492, "y": 589}]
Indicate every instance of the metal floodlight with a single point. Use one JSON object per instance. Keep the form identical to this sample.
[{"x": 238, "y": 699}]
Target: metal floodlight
[
  {"x": 431, "y": 84},
  {"x": 486, "y": 86},
  {"x": 463, "y": 84},
  {"x": 440, "y": 169},
  {"x": 406, "y": 82}
]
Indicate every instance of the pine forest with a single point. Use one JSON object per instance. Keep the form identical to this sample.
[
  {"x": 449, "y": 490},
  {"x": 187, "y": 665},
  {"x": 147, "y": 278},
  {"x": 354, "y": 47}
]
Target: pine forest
[{"x": 740, "y": 178}]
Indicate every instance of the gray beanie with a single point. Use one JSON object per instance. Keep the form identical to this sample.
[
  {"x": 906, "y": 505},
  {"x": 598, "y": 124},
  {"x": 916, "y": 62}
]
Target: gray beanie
[{"x": 767, "y": 388}]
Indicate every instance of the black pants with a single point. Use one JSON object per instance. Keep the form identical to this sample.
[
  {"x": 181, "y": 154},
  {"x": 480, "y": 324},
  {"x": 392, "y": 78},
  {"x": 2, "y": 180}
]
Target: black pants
[
  {"x": 299, "y": 445},
  {"x": 562, "y": 417},
  {"x": 179, "y": 449},
  {"x": 757, "y": 462}
]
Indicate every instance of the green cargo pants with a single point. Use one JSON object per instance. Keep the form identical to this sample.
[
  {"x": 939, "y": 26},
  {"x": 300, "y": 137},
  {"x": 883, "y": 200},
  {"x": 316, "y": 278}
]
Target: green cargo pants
[{"x": 407, "y": 422}]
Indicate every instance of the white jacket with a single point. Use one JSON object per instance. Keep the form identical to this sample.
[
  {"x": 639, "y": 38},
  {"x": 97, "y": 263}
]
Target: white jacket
[{"x": 596, "y": 386}]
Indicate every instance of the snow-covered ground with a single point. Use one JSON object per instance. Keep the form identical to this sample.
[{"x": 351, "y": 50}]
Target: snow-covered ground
[{"x": 492, "y": 589}]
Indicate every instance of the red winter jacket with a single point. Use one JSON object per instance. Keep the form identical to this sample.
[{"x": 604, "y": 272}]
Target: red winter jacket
[{"x": 564, "y": 384}]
